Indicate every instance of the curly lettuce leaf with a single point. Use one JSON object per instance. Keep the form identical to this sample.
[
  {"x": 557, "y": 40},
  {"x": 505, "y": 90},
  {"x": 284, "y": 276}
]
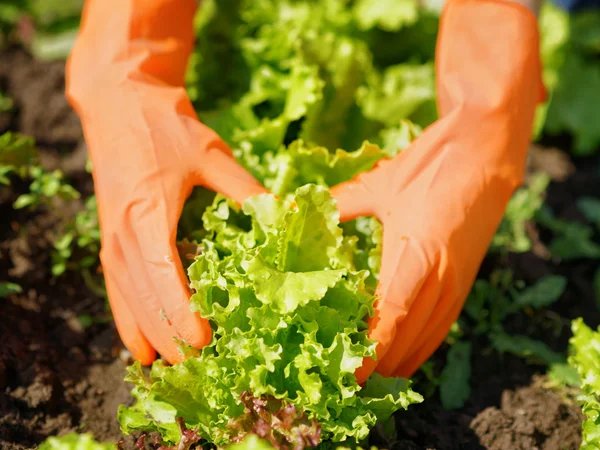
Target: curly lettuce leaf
[
  {"x": 306, "y": 71},
  {"x": 302, "y": 164},
  {"x": 251, "y": 442},
  {"x": 585, "y": 357},
  {"x": 388, "y": 15},
  {"x": 75, "y": 441},
  {"x": 398, "y": 93},
  {"x": 288, "y": 308}
]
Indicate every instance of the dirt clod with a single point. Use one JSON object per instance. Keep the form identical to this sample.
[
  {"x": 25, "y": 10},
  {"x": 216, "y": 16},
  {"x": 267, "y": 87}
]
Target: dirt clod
[{"x": 529, "y": 418}]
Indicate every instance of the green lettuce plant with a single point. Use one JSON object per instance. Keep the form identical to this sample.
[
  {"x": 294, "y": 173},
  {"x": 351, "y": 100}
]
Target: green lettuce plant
[
  {"x": 288, "y": 306},
  {"x": 585, "y": 357}
]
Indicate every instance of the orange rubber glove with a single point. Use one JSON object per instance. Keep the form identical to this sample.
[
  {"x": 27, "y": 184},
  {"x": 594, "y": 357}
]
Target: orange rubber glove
[
  {"x": 441, "y": 200},
  {"x": 148, "y": 150}
]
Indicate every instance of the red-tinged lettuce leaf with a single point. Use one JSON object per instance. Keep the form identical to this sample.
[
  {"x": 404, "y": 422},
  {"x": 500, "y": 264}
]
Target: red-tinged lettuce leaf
[{"x": 275, "y": 421}]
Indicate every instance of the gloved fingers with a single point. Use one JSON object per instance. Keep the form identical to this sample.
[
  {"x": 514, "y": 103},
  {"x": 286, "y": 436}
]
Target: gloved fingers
[
  {"x": 409, "y": 331},
  {"x": 433, "y": 335},
  {"x": 430, "y": 306},
  {"x": 428, "y": 347},
  {"x": 130, "y": 334},
  {"x": 404, "y": 269},
  {"x": 159, "y": 271},
  {"x": 125, "y": 278},
  {"x": 353, "y": 199},
  {"x": 127, "y": 268},
  {"x": 222, "y": 173}
]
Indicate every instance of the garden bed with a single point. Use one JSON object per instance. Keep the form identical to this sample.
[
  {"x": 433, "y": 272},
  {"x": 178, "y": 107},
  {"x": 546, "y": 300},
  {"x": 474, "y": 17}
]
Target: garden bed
[{"x": 62, "y": 365}]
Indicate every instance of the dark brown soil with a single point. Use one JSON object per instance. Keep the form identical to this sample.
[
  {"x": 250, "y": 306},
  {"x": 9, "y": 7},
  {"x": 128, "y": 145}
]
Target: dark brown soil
[
  {"x": 57, "y": 376},
  {"x": 38, "y": 91}
]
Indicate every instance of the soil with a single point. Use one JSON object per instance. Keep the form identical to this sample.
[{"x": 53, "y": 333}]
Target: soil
[
  {"x": 58, "y": 376},
  {"x": 55, "y": 375}
]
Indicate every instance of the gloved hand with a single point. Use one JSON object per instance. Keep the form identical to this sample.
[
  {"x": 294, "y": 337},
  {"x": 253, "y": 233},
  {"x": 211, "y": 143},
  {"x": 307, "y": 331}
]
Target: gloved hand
[
  {"x": 441, "y": 200},
  {"x": 148, "y": 150}
]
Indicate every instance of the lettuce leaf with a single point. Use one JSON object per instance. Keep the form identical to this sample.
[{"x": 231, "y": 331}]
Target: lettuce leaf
[
  {"x": 573, "y": 105},
  {"x": 288, "y": 306},
  {"x": 585, "y": 357},
  {"x": 304, "y": 70},
  {"x": 75, "y": 441},
  {"x": 388, "y": 15},
  {"x": 571, "y": 73},
  {"x": 251, "y": 442}
]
